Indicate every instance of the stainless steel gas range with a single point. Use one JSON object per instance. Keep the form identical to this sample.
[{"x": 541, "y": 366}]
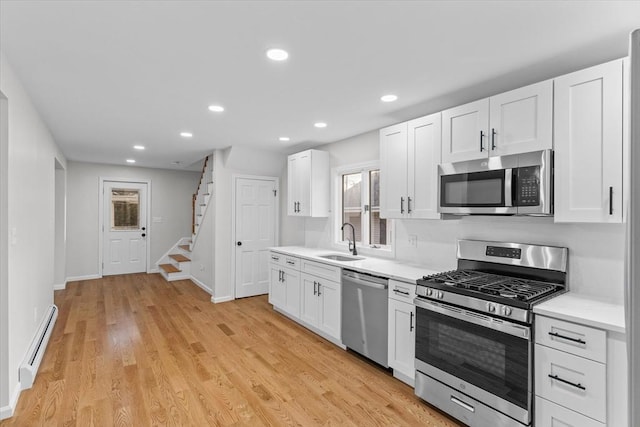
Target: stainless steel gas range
[{"x": 474, "y": 327}]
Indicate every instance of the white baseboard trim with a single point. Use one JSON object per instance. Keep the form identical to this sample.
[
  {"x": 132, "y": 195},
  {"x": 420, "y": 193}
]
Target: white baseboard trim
[
  {"x": 60, "y": 287},
  {"x": 201, "y": 285},
  {"x": 8, "y": 410},
  {"x": 221, "y": 299},
  {"x": 153, "y": 271},
  {"x": 87, "y": 277}
]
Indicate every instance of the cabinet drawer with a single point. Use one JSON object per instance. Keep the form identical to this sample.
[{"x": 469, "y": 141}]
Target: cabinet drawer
[
  {"x": 578, "y": 383},
  {"x": 576, "y": 339},
  {"x": 548, "y": 414},
  {"x": 402, "y": 291},
  {"x": 321, "y": 270},
  {"x": 285, "y": 260}
]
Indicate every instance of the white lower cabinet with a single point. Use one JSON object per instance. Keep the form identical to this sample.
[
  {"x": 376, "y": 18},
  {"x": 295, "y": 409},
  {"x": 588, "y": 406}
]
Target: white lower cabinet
[
  {"x": 402, "y": 331},
  {"x": 579, "y": 380},
  {"x": 284, "y": 283},
  {"x": 308, "y": 292},
  {"x": 321, "y": 304}
]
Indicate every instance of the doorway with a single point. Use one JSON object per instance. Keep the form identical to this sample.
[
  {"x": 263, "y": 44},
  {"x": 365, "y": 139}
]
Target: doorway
[
  {"x": 124, "y": 234},
  {"x": 255, "y": 230},
  {"x": 60, "y": 225}
]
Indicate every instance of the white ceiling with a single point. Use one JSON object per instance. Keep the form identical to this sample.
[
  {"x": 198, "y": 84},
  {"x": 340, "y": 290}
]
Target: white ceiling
[{"x": 106, "y": 75}]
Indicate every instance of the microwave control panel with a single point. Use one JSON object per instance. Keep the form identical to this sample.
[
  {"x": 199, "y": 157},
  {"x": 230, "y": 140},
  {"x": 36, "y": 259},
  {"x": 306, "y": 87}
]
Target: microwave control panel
[{"x": 528, "y": 187}]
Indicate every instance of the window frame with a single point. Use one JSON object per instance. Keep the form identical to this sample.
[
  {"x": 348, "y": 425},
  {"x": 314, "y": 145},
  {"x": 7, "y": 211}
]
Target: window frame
[{"x": 364, "y": 168}]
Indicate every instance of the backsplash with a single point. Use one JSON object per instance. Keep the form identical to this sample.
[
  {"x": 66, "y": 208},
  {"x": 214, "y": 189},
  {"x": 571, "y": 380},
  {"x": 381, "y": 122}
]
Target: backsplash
[{"x": 596, "y": 251}]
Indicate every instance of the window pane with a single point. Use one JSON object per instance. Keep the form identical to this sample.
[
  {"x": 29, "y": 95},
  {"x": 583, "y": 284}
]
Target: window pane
[
  {"x": 125, "y": 213},
  {"x": 352, "y": 205},
  {"x": 377, "y": 226}
]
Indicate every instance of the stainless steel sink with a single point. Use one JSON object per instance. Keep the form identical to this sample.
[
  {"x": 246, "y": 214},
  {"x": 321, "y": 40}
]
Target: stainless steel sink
[{"x": 341, "y": 258}]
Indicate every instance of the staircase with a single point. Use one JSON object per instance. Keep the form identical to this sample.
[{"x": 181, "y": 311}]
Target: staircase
[{"x": 176, "y": 263}]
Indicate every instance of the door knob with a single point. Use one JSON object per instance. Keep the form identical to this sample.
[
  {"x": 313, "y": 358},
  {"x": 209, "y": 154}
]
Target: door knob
[
  {"x": 239, "y": 243},
  {"x": 144, "y": 228},
  {"x": 144, "y": 234}
]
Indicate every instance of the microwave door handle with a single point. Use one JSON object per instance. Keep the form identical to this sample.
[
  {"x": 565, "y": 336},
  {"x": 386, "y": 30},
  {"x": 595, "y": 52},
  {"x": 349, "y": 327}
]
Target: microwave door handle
[{"x": 508, "y": 187}]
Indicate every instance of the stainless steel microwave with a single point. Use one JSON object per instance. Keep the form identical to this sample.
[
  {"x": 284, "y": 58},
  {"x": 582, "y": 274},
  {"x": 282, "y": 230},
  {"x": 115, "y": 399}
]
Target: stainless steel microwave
[{"x": 518, "y": 184}]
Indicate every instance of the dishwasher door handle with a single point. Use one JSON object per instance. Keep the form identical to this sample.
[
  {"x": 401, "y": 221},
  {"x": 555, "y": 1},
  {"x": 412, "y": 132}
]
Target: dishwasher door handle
[{"x": 364, "y": 282}]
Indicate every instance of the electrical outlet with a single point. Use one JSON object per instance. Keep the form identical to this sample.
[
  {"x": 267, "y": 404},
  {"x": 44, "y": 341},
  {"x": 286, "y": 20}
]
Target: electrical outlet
[
  {"x": 201, "y": 267},
  {"x": 413, "y": 240}
]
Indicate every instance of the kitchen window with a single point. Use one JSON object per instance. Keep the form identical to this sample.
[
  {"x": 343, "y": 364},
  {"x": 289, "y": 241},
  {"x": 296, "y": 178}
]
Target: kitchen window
[{"x": 359, "y": 204}]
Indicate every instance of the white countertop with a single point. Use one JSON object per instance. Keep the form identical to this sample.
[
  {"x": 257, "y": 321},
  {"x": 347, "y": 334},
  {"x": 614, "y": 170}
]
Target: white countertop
[
  {"x": 585, "y": 310},
  {"x": 378, "y": 266}
]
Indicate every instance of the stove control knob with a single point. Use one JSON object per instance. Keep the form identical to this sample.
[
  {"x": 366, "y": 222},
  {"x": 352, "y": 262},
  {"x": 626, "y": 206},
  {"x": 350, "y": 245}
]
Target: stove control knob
[
  {"x": 491, "y": 307},
  {"x": 429, "y": 292},
  {"x": 506, "y": 311},
  {"x": 440, "y": 295}
]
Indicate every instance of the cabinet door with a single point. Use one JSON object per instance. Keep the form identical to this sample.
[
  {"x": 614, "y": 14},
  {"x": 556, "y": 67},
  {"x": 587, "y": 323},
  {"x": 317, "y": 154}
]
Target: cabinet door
[
  {"x": 303, "y": 177},
  {"x": 588, "y": 144},
  {"x": 309, "y": 299},
  {"x": 293, "y": 185},
  {"x": 521, "y": 120},
  {"x": 330, "y": 309},
  {"x": 292, "y": 292},
  {"x": 401, "y": 348},
  {"x": 277, "y": 290},
  {"x": 393, "y": 171},
  {"x": 464, "y": 132},
  {"x": 424, "y": 144}
]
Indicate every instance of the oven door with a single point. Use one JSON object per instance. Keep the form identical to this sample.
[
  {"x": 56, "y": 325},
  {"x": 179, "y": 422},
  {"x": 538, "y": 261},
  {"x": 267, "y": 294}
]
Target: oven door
[{"x": 486, "y": 358}]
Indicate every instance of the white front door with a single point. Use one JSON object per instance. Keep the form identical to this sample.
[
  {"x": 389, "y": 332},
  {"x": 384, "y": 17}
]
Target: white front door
[
  {"x": 124, "y": 228},
  {"x": 255, "y": 232}
]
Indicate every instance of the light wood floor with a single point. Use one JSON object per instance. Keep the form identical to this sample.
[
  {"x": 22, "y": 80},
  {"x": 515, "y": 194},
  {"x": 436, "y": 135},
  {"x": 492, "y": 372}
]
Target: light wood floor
[{"x": 136, "y": 350}]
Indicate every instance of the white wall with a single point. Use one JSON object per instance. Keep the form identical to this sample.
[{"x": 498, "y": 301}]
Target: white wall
[
  {"x": 234, "y": 160},
  {"x": 60, "y": 250},
  {"x": 30, "y": 176},
  {"x": 171, "y": 192},
  {"x": 596, "y": 251}
]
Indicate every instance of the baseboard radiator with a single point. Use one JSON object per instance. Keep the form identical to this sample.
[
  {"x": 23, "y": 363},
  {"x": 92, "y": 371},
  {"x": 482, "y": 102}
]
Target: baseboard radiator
[{"x": 29, "y": 367}]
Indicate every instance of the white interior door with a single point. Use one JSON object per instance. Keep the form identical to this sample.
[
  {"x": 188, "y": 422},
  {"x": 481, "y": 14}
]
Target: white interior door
[
  {"x": 255, "y": 232},
  {"x": 124, "y": 228}
]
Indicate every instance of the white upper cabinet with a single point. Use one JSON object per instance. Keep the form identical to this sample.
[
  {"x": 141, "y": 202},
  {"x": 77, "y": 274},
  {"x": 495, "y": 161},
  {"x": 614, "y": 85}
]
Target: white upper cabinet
[
  {"x": 521, "y": 120},
  {"x": 393, "y": 171},
  {"x": 308, "y": 184},
  {"x": 513, "y": 122},
  {"x": 409, "y": 158},
  {"x": 588, "y": 132},
  {"x": 464, "y": 132}
]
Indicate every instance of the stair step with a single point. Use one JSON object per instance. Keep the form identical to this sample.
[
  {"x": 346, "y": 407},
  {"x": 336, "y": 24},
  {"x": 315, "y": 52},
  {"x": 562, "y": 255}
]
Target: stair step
[
  {"x": 185, "y": 248},
  {"x": 179, "y": 258},
  {"x": 170, "y": 268}
]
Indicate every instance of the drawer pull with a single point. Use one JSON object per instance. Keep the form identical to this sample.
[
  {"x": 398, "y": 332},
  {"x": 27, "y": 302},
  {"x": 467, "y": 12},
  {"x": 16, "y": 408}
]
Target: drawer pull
[
  {"x": 557, "y": 335},
  {"x": 275, "y": 258},
  {"x": 557, "y": 378},
  {"x": 463, "y": 404},
  {"x": 398, "y": 291},
  {"x": 291, "y": 262}
]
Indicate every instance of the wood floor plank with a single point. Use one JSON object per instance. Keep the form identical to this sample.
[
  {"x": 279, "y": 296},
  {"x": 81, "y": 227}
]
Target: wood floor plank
[{"x": 137, "y": 350}]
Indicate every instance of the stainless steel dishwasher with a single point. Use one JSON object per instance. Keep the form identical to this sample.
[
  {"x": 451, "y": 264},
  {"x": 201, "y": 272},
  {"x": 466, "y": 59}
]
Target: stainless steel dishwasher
[{"x": 364, "y": 315}]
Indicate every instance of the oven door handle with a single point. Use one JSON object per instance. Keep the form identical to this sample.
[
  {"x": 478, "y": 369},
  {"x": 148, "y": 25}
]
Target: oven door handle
[{"x": 500, "y": 325}]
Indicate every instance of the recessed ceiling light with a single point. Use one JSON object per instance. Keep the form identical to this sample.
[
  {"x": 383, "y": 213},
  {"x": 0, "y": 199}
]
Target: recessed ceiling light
[
  {"x": 284, "y": 138},
  {"x": 388, "y": 98},
  {"x": 277, "y": 54},
  {"x": 138, "y": 147},
  {"x": 186, "y": 134},
  {"x": 216, "y": 108},
  {"x": 320, "y": 125},
  {"x": 130, "y": 161}
]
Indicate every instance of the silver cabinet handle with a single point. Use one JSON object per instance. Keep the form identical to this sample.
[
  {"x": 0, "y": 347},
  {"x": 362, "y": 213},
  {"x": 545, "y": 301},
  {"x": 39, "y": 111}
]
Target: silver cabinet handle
[
  {"x": 557, "y": 335},
  {"x": 408, "y": 204},
  {"x": 401, "y": 205},
  {"x": 610, "y": 200},
  {"x": 291, "y": 262},
  {"x": 275, "y": 258},
  {"x": 481, "y": 145},
  {"x": 411, "y": 322},
  {"x": 319, "y": 289},
  {"x": 398, "y": 291},
  {"x": 493, "y": 139},
  {"x": 314, "y": 287}
]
